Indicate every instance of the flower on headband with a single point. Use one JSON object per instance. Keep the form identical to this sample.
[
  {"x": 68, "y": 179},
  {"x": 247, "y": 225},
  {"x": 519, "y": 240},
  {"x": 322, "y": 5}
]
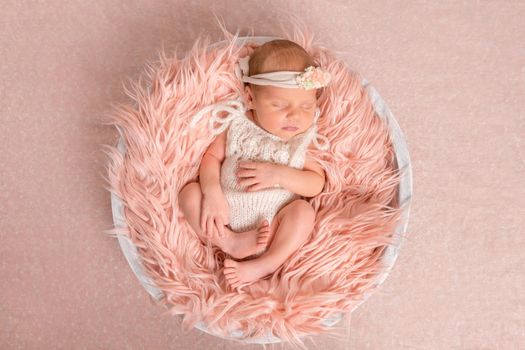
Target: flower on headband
[{"x": 313, "y": 78}]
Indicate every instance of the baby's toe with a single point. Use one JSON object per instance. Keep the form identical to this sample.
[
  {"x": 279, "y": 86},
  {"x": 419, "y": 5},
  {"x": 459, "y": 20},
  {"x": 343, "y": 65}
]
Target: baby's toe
[
  {"x": 264, "y": 229},
  {"x": 263, "y": 223},
  {"x": 234, "y": 280},
  {"x": 230, "y": 263},
  {"x": 263, "y": 238},
  {"x": 229, "y": 272}
]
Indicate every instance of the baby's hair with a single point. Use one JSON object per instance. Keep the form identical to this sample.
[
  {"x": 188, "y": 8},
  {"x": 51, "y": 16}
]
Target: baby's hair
[{"x": 279, "y": 55}]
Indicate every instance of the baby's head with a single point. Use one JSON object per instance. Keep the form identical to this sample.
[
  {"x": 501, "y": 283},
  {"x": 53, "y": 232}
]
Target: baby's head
[{"x": 275, "y": 108}]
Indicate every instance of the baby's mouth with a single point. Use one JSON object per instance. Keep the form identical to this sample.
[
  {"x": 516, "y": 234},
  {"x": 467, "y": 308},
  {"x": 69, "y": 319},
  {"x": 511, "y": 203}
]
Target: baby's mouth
[{"x": 290, "y": 128}]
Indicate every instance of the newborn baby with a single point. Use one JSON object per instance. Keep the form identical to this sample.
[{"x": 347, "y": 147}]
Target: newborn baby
[{"x": 254, "y": 176}]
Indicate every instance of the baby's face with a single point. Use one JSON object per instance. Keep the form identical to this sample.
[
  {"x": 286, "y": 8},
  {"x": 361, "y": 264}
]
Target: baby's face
[{"x": 276, "y": 109}]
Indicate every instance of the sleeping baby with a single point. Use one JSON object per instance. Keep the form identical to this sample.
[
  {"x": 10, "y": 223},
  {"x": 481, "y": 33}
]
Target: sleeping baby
[{"x": 254, "y": 177}]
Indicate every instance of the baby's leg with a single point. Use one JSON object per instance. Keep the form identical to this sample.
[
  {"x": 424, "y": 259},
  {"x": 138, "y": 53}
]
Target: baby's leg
[
  {"x": 238, "y": 245},
  {"x": 294, "y": 224}
]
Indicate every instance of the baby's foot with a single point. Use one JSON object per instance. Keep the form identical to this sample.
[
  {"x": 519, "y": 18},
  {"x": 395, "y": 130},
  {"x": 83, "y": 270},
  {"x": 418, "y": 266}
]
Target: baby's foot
[
  {"x": 238, "y": 274},
  {"x": 250, "y": 242},
  {"x": 263, "y": 236}
]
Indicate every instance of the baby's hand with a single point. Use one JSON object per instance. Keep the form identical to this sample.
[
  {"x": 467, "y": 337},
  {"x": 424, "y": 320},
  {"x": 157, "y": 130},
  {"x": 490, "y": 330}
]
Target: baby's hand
[
  {"x": 214, "y": 213},
  {"x": 258, "y": 175}
]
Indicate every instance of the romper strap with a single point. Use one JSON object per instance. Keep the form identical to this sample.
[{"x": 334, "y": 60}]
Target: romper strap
[
  {"x": 234, "y": 107},
  {"x": 326, "y": 143}
]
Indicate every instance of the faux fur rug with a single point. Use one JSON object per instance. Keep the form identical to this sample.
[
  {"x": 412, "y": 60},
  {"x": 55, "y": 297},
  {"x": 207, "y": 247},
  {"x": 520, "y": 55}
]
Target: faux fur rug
[{"x": 356, "y": 212}]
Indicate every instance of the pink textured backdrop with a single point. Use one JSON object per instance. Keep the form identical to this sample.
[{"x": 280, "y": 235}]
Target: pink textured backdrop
[{"x": 453, "y": 74}]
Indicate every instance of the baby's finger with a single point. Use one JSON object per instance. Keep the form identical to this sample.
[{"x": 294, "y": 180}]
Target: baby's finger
[
  {"x": 246, "y": 173},
  {"x": 248, "y": 182},
  {"x": 255, "y": 187},
  {"x": 203, "y": 221},
  {"x": 250, "y": 173},
  {"x": 209, "y": 226},
  {"x": 220, "y": 226},
  {"x": 214, "y": 226},
  {"x": 247, "y": 165}
]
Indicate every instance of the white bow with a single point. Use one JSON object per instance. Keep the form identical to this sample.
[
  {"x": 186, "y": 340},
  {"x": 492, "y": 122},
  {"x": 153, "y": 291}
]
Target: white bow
[
  {"x": 234, "y": 107},
  {"x": 242, "y": 67}
]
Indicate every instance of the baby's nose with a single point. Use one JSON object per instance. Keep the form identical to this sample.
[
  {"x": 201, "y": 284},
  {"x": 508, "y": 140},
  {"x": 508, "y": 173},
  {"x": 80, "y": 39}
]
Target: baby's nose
[{"x": 293, "y": 116}]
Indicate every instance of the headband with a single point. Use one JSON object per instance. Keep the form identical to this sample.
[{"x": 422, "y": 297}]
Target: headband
[{"x": 311, "y": 78}]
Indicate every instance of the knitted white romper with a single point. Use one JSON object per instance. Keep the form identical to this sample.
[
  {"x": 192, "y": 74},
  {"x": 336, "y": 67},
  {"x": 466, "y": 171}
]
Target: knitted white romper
[{"x": 245, "y": 140}]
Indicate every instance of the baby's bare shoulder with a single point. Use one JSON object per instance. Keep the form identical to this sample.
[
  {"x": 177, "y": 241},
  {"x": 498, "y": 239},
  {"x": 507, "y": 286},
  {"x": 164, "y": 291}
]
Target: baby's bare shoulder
[{"x": 217, "y": 147}]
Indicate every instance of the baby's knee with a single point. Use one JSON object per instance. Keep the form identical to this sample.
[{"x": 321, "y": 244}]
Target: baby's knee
[
  {"x": 190, "y": 192},
  {"x": 303, "y": 211}
]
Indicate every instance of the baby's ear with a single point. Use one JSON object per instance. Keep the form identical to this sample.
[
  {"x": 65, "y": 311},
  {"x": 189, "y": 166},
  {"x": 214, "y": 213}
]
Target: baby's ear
[{"x": 248, "y": 96}]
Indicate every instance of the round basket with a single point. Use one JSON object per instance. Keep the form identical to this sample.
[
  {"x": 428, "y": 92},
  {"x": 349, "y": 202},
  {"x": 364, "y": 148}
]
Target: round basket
[{"x": 390, "y": 254}]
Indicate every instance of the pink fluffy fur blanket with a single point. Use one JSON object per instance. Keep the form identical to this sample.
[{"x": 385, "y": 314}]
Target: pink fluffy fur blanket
[{"x": 356, "y": 213}]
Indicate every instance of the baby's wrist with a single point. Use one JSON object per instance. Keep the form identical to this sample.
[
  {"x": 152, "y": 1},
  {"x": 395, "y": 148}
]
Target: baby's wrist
[
  {"x": 279, "y": 175},
  {"x": 211, "y": 190}
]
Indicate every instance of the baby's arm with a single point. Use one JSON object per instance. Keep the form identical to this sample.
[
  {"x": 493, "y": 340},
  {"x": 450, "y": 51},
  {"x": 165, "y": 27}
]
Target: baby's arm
[
  {"x": 307, "y": 182},
  {"x": 214, "y": 214},
  {"x": 210, "y": 168}
]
